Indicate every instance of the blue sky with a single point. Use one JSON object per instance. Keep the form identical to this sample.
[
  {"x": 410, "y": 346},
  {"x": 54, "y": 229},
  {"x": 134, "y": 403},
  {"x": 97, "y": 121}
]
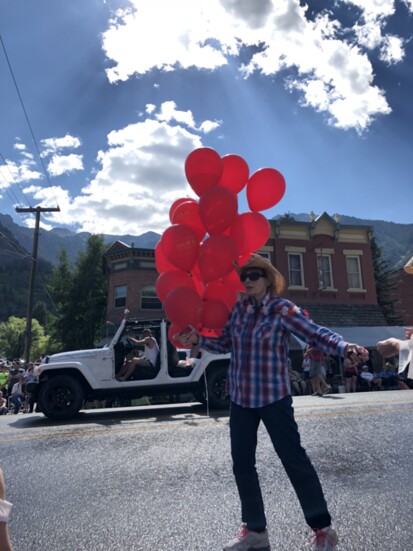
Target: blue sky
[{"x": 119, "y": 92}]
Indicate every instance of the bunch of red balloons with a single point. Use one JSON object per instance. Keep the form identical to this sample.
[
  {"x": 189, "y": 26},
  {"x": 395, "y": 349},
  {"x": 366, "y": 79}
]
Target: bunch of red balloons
[{"x": 195, "y": 256}]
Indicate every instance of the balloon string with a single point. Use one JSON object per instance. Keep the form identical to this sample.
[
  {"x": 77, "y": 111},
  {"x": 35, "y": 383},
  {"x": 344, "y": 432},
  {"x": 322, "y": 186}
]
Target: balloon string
[{"x": 206, "y": 392}]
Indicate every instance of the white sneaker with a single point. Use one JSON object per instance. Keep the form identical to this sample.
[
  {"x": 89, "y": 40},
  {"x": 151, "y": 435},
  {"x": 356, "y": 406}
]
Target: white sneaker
[
  {"x": 249, "y": 541},
  {"x": 324, "y": 539}
]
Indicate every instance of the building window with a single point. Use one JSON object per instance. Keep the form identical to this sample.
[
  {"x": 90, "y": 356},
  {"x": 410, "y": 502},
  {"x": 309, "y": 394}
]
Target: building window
[
  {"x": 149, "y": 299},
  {"x": 295, "y": 269},
  {"x": 354, "y": 272},
  {"x": 120, "y": 296},
  {"x": 325, "y": 275}
]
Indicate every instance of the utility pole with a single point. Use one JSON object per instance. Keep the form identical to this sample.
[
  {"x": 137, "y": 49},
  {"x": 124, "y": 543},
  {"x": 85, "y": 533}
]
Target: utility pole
[{"x": 28, "y": 333}]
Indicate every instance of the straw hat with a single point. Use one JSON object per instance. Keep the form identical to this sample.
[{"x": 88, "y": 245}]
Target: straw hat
[
  {"x": 276, "y": 280},
  {"x": 409, "y": 266}
]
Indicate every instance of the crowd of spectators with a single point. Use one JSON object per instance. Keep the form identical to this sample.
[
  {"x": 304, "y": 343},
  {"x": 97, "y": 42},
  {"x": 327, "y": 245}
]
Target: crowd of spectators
[
  {"x": 346, "y": 378},
  {"x": 14, "y": 376}
]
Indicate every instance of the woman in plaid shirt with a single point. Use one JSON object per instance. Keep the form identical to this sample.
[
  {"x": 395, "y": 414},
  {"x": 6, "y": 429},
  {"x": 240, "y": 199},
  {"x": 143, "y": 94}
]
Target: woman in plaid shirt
[{"x": 256, "y": 334}]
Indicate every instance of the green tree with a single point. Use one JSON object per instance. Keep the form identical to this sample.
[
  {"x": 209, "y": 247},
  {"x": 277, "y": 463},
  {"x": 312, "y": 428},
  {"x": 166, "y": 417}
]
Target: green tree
[
  {"x": 41, "y": 313},
  {"x": 384, "y": 286},
  {"x": 80, "y": 296},
  {"x": 60, "y": 286},
  {"x": 12, "y": 338}
]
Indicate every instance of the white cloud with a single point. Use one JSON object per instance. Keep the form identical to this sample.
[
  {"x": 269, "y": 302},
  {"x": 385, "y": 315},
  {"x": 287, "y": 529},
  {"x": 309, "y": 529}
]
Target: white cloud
[
  {"x": 371, "y": 31},
  {"x": 53, "y": 145},
  {"x": 61, "y": 164},
  {"x": 169, "y": 113},
  {"x": 19, "y": 172},
  {"x": 318, "y": 55},
  {"x": 141, "y": 173},
  {"x": 209, "y": 126}
]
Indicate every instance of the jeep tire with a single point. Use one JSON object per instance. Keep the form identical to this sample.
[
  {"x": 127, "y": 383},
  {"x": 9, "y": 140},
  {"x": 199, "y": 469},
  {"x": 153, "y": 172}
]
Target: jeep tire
[
  {"x": 217, "y": 389},
  {"x": 61, "y": 397}
]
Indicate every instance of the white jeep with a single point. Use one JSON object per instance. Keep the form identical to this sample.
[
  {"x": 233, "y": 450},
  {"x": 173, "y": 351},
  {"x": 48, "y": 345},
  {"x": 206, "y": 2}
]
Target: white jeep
[{"x": 70, "y": 379}]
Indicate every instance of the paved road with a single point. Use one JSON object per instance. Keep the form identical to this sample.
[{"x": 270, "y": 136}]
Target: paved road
[{"x": 160, "y": 478}]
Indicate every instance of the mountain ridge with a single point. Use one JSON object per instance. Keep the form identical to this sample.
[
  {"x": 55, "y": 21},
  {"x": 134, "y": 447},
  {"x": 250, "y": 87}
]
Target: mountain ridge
[{"x": 395, "y": 240}]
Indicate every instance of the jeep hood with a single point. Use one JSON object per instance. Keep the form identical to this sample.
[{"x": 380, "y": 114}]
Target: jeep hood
[{"x": 76, "y": 355}]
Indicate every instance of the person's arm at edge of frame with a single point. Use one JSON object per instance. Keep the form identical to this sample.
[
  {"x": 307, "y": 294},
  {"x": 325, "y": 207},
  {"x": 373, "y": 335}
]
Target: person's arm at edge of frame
[
  {"x": 5, "y": 508},
  {"x": 397, "y": 347}
]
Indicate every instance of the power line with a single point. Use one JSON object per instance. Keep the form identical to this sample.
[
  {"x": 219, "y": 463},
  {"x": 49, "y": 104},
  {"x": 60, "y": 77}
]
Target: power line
[
  {"x": 9, "y": 188},
  {"x": 12, "y": 244},
  {"x": 46, "y": 289},
  {"x": 28, "y": 332},
  {"x": 27, "y": 117}
]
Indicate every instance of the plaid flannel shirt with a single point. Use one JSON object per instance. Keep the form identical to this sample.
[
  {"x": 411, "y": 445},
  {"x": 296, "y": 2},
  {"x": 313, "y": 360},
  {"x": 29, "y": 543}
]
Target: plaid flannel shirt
[{"x": 257, "y": 337}]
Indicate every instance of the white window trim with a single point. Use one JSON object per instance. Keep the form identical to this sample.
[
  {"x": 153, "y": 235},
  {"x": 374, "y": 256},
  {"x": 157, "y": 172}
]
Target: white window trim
[
  {"x": 324, "y": 253},
  {"x": 355, "y": 289},
  {"x": 297, "y": 287}
]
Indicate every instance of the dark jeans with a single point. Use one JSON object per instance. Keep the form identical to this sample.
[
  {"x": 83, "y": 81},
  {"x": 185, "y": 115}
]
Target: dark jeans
[
  {"x": 279, "y": 421},
  {"x": 17, "y": 401}
]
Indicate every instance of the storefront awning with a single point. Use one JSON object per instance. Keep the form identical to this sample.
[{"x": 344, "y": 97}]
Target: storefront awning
[
  {"x": 364, "y": 336},
  {"x": 369, "y": 336}
]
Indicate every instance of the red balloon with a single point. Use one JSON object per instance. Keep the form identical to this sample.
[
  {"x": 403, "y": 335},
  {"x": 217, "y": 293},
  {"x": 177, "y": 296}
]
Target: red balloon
[
  {"x": 265, "y": 189},
  {"x": 161, "y": 262},
  {"x": 216, "y": 257},
  {"x": 214, "y": 314},
  {"x": 218, "y": 208},
  {"x": 188, "y": 213},
  {"x": 233, "y": 281},
  {"x": 250, "y": 231},
  {"x": 216, "y": 290},
  {"x": 180, "y": 246},
  {"x": 203, "y": 169},
  {"x": 170, "y": 280},
  {"x": 175, "y": 330},
  {"x": 235, "y": 173},
  {"x": 183, "y": 307},
  {"x": 176, "y": 204}
]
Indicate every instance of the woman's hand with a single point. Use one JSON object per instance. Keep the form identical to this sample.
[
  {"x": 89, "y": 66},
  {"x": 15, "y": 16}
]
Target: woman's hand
[
  {"x": 388, "y": 347},
  {"x": 356, "y": 353},
  {"x": 187, "y": 337}
]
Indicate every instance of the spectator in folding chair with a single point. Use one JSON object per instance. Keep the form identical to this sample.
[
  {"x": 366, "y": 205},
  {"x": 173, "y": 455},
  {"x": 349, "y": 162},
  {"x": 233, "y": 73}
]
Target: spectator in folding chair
[
  {"x": 3, "y": 405},
  {"x": 18, "y": 396},
  {"x": 4, "y": 378}
]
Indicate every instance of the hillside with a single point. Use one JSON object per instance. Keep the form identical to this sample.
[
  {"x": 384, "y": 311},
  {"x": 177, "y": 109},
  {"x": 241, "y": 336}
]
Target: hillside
[
  {"x": 396, "y": 240},
  {"x": 15, "y": 268},
  {"x": 51, "y": 242}
]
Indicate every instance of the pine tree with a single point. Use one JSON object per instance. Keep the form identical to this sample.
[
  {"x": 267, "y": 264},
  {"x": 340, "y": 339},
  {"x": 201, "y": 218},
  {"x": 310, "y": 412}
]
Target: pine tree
[
  {"x": 80, "y": 295},
  {"x": 384, "y": 286}
]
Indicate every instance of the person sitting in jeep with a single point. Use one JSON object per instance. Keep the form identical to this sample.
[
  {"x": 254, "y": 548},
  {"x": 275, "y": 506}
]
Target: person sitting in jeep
[{"x": 142, "y": 364}]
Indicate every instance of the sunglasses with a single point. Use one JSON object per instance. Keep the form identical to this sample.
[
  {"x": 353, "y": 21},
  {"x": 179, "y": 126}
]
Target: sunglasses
[{"x": 252, "y": 276}]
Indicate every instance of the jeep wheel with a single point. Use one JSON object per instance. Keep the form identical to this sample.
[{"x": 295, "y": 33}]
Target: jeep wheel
[
  {"x": 217, "y": 389},
  {"x": 61, "y": 397}
]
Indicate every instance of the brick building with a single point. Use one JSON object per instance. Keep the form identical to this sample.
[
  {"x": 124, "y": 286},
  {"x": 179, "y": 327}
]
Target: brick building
[
  {"x": 328, "y": 268},
  {"x": 132, "y": 276}
]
